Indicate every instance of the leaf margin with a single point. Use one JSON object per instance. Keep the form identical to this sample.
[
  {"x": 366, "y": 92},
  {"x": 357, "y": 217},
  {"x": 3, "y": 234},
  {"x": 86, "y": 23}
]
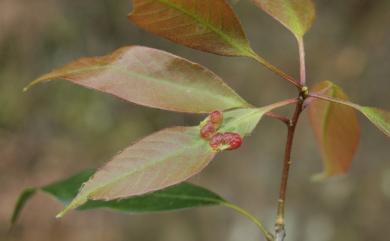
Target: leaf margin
[{"x": 245, "y": 51}]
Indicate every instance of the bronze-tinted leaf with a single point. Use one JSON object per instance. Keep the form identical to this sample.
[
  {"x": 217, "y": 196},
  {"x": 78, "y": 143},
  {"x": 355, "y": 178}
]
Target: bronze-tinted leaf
[
  {"x": 210, "y": 26},
  {"x": 336, "y": 128},
  {"x": 296, "y": 15},
  {"x": 379, "y": 117},
  {"x": 152, "y": 78},
  {"x": 160, "y": 160},
  {"x": 163, "y": 159}
]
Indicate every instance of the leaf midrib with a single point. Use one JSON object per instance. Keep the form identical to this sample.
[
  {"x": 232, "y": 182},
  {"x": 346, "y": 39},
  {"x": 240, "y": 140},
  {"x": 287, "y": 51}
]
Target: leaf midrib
[
  {"x": 235, "y": 100},
  {"x": 121, "y": 177},
  {"x": 244, "y": 50},
  {"x": 197, "y": 143},
  {"x": 295, "y": 16},
  {"x": 325, "y": 129}
]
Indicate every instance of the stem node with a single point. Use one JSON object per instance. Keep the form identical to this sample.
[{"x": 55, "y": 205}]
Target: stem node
[{"x": 304, "y": 92}]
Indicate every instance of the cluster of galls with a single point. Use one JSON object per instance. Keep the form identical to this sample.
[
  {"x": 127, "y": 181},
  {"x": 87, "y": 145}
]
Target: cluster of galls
[{"x": 218, "y": 141}]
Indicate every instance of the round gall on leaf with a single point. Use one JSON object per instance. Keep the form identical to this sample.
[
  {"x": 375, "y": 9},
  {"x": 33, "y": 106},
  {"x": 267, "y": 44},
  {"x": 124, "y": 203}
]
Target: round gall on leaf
[
  {"x": 207, "y": 131},
  {"x": 225, "y": 141},
  {"x": 210, "y": 125},
  {"x": 216, "y": 117},
  {"x": 234, "y": 140},
  {"x": 217, "y": 141}
]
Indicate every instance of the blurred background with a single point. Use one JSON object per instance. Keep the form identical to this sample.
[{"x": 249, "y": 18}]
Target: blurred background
[{"x": 58, "y": 129}]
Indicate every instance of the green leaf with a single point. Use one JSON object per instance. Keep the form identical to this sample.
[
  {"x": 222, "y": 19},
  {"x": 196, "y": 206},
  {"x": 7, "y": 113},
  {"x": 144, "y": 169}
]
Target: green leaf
[
  {"x": 336, "y": 128},
  {"x": 23, "y": 198},
  {"x": 181, "y": 196},
  {"x": 244, "y": 121},
  {"x": 66, "y": 190},
  {"x": 152, "y": 78},
  {"x": 210, "y": 26},
  {"x": 295, "y": 15},
  {"x": 380, "y": 118}
]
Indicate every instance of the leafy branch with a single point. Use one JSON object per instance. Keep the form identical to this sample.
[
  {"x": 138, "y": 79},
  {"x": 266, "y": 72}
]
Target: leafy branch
[{"x": 150, "y": 175}]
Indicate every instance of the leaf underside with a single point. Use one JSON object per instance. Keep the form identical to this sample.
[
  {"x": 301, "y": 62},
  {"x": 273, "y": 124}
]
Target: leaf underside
[
  {"x": 296, "y": 15},
  {"x": 181, "y": 196},
  {"x": 162, "y": 159},
  {"x": 209, "y": 26},
  {"x": 336, "y": 128},
  {"x": 152, "y": 78}
]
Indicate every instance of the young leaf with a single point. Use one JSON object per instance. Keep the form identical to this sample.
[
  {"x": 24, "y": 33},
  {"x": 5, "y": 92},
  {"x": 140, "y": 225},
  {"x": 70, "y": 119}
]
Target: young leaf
[
  {"x": 243, "y": 121},
  {"x": 210, "y": 26},
  {"x": 380, "y": 118},
  {"x": 160, "y": 160},
  {"x": 152, "y": 78},
  {"x": 295, "y": 15},
  {"x": 181, "y": 196},
  {"x": 336, "y": 128}
]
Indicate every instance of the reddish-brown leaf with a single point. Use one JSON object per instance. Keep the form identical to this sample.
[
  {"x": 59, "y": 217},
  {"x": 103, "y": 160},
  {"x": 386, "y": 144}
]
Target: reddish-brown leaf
[
  {"x": 165, "y": 158},
  {"x": 152, "y": 78},
  {"x": 336, "y": 128},
  {"x": 160, "y": 160},
  {"x": 210, "y": 26}
]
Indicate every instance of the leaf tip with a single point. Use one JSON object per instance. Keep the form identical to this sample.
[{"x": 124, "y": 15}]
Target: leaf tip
[
  {"x": 23, "y": 198},
  {"x": 28, "y": 87},
  {"x": 31, "y": 84},
  {"x": 73, "y": 205},
  {"x": 61, "y": 214},
  {"x": 25, "y": 89},
  {"x": 130, "y": 16},
  {"x": 318, "y": 177},
  {"x": 65, "y": 211}
]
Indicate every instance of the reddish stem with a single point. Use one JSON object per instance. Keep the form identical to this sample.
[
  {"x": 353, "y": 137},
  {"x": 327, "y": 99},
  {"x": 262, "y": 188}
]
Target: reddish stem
[
  {"x": 279, "y": 225},
  {"x": 280, "y": 232},
  {"x": 276, "y": 70},
  {"x": 275, "y": 116},
  {"x": 302, "y": 61}
]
